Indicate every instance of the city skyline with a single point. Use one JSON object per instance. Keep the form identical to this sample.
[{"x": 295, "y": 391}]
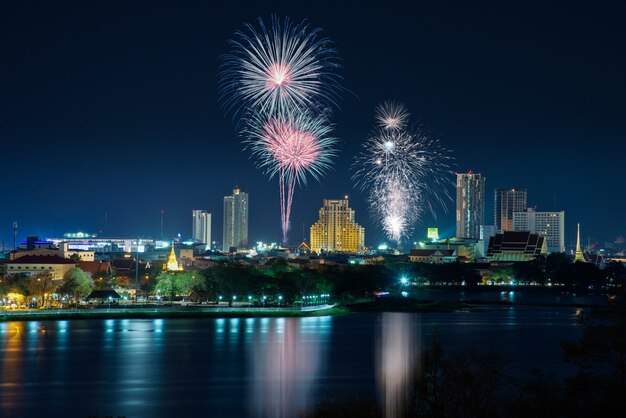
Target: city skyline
[{"x": 76, "y": 107}]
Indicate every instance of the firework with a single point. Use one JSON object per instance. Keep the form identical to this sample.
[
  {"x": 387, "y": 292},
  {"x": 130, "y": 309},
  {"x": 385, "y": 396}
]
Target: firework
[
  {"x": 391, "y": 116},
  {"x": 403, "y": 171},
  {"x": 281, "y": 82},
  {"x": 278, "y": 69},
  {"x": 291, "y": 146}
]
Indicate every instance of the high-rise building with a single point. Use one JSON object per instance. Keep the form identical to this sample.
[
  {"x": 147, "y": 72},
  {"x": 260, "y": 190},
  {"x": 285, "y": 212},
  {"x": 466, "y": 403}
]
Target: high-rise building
[
  {"x": 470, "y": 204},
  {"x": 336, "y": 230},
  {"x": 548, "y": 224},
  {"x": 235, "y": 221},
  {"x": 506, "y": 202},
  {"x": 201, "y": 226}
]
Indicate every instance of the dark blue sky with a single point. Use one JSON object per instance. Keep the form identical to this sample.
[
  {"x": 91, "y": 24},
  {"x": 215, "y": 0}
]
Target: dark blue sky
[{"x": 113, "y": 107}]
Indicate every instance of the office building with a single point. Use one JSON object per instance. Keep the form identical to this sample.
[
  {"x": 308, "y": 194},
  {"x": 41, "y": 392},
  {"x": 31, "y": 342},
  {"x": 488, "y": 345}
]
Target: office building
[
  {"x": 235, "y": 221},
  {"x": 336, "y": 229},
  {"x": 507, "y": 201},
  {"x": 201, "y": 227},
  {"x": 470, "y": 204},
  {"x": 550, "y": 225}
]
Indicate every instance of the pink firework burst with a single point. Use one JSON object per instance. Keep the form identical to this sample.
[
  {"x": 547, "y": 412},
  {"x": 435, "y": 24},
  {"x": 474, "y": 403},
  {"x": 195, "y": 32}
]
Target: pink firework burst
[{"x": 292, "y": 146}]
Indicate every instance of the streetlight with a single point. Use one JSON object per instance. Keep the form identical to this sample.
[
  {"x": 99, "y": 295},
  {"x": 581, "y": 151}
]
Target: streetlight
[
  {"x": 280, "y": 299},
  {"x": 404, "y": 280},
  {"x": 264, "y": 297}
]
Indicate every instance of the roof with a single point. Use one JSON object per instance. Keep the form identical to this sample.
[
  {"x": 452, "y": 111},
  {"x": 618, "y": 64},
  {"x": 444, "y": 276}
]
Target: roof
[
  {"x": 516, "y": 242},
  {"x": 431, "y": 252},
  {"x": 103, "y": 294},
  {"x": 41, "y": 259},
  {"x": 94, "y": 266}
]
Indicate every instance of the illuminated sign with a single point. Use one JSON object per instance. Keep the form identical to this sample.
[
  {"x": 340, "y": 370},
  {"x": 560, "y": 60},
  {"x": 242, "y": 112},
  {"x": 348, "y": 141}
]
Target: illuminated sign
[{"x": 433, "y": 234}]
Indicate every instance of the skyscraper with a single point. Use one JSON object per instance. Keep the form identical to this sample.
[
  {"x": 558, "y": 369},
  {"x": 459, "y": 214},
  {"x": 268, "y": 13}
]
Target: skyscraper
[
  {"x": 506, "y": 202},
  {"x": 548, "y": 224},
  {"x": 336, "y": 229},
  {"x": 470, "y": 204},
  {"x": 235, "y": 221},
  {"x": 201, "y": 226}
]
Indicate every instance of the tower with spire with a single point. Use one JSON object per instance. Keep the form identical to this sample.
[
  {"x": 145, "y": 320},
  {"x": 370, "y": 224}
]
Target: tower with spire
[
  {"x": 172, "y": 262},
  {"x": 579, "y": 253}
]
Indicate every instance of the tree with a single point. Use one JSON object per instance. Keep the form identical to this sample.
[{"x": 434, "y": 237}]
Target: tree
[
  {"x": 103, "y": 280},
  {"x": 165, "y": 285},
  {"x": 41, "y": 287},
  {"x": 615, "y": 275},
  {"x": 77, "y": 283},
  {"x": 188, "y": 281},
  {"x": 601, "y": 353},
  {"x": 183, "y": 283},
  {"x": 556, "y": 267}
]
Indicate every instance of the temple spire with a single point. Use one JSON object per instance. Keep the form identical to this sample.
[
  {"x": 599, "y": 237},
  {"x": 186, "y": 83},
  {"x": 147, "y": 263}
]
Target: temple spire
[
  {"x": 172, "y": 262},
  {"x": 579, "y": 254}
]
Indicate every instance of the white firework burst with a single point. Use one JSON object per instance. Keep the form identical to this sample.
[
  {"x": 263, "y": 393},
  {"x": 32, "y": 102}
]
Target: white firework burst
[
  {"x": 278, "y": 68},
  {"x": 392, "y": 116}
]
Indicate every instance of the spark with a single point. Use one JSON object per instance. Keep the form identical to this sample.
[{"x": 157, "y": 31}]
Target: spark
[
  {"x": 391, "y": 116},
  {"x": 292, "y": 147},
  {"x": 279, "y": 68},
  {"x": 404, "y": 172}
]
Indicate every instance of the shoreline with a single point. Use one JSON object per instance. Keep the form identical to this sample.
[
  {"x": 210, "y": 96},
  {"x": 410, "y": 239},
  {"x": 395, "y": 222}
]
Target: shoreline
[
  {"x": 158, "y": 313},
  {"x": 372, "y": 306}
]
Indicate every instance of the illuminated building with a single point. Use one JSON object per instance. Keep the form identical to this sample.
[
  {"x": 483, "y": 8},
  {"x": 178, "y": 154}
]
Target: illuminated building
[
  {"x": 172, "y": 262},
  {"x": 31, "y": 265},
  {"x": 336, "y": 230},
  {"x": 579, "y": 256},
  {"x": 201, "y": 226},
  {"x": 507, "y": 201},
  {"x": 551, "y": 225},
  {"x": 470, "y": 204},
  {"x": 235, "y": 221}
]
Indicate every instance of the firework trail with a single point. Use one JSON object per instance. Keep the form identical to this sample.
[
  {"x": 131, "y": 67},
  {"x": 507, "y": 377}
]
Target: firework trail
[
  {"x": 280, "y": 82},
  {"x": 291, "y": 146},
  {"x": 404, "y": 172}
]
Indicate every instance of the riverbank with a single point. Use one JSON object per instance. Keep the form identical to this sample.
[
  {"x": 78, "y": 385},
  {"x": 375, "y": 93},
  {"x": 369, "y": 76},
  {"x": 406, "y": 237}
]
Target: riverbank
[
  {"x": 159, "y": 312},
  {"x": 409, "y": 305}
]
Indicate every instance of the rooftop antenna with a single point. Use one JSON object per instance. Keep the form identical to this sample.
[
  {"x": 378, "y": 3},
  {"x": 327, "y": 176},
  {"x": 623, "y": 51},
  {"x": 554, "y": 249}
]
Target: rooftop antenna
[
  {"x": 15, "y": 235},
  {"x": 162, "y": 213}
]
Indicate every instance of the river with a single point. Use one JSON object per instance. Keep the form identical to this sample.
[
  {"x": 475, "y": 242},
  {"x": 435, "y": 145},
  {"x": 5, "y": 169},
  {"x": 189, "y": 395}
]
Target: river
[{"x": 256, "y": 367}]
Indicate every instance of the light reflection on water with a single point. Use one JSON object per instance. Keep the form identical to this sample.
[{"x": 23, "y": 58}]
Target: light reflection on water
[
  {"x": 286, "y": 358},
  {"x": 398, "y": 349},
  {"x": 259, "y": 367}
]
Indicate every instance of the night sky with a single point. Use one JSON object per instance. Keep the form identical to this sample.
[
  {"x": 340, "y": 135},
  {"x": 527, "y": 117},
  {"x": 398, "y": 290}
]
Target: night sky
[{"x": 112, "y": 107}]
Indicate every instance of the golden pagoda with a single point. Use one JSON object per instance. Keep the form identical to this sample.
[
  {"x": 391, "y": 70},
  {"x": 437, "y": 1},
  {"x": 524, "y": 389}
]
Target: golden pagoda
[
  {"x": 172, "y": 262},
  {"x": 579, "y": 256}
]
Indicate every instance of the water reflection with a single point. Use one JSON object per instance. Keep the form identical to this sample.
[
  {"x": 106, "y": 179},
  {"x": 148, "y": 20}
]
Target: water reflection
[
  {"x": 286, "y": 358},
  {"x": 12, "y": 339},
  {"x": 398, "y": 346}
]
